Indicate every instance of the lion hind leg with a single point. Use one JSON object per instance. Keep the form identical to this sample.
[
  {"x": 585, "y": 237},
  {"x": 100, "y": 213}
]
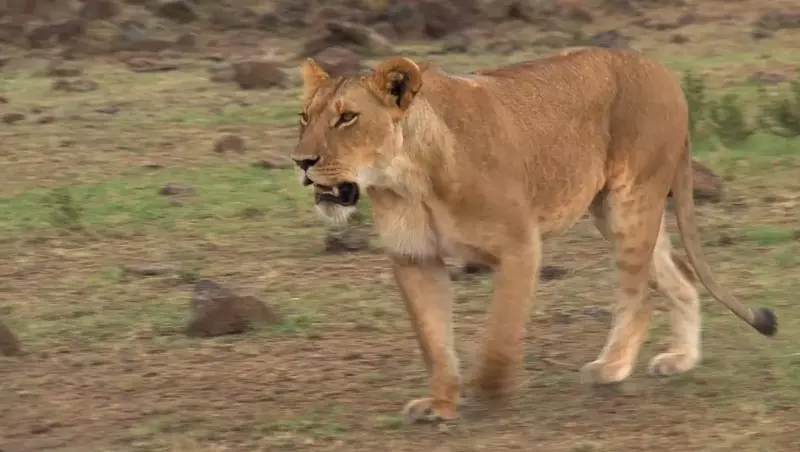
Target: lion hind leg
[
  {"x": 676, "y": 280},
  {"x": 631, "y": 222},
  {"x": 514, "y": 287}
]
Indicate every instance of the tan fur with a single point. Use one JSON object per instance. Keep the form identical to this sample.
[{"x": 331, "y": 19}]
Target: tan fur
[{"x": 484, "y": 167}]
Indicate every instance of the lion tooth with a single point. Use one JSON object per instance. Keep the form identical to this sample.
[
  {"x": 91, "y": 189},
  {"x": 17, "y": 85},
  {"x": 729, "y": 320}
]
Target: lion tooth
[{"x": 335, "y": 191}]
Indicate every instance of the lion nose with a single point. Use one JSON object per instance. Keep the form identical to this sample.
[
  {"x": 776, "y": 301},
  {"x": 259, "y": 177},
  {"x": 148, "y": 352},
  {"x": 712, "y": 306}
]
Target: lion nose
[{"x": 305, "y": 164}]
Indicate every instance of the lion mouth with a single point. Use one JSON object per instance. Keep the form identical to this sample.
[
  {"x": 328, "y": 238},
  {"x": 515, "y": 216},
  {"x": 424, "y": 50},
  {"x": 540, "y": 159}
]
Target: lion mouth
[{"x": 344, "y": 194}]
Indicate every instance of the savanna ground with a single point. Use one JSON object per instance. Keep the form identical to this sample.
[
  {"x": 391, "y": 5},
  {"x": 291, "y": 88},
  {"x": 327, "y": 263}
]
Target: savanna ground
[{"x": 107, "y": 365}]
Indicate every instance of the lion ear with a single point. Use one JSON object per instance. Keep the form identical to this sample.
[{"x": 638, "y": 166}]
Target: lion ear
[
  {"x": 396, "y": 81},
  {"x": 313, "y": 75}
]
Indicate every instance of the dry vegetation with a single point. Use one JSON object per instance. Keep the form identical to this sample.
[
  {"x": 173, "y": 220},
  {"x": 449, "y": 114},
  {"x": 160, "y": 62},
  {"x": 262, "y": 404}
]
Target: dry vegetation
[{"x": 137, "y": 160}]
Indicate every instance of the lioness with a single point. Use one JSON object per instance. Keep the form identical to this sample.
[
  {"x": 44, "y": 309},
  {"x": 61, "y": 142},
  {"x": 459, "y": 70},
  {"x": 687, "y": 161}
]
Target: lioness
[{"x": 485, "y": 167}]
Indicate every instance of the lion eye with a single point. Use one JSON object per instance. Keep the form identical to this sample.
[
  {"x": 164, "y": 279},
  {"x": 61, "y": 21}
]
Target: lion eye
[
  {"x": 346, "y": 118},
  {"x": 303, "y": 119}
]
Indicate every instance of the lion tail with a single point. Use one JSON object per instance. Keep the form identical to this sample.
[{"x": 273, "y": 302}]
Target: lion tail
[{"x": 762, "y": 319}]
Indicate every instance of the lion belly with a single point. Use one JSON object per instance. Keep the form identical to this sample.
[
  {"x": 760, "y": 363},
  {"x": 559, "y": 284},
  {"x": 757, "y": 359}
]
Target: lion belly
[{"x": 560, "y": 207}]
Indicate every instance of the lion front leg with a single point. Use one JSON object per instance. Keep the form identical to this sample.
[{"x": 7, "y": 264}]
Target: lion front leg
[
  {"x": 425, "y": 287},
  {"x": 514, "y": 284}
]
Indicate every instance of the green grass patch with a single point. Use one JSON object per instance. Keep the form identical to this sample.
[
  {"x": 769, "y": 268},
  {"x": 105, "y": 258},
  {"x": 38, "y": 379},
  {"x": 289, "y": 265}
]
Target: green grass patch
[{"x": 222, "y": 192}]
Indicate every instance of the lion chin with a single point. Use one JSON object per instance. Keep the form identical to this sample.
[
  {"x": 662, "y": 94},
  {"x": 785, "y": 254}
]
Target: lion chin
[{"x": 334, "y": 213}]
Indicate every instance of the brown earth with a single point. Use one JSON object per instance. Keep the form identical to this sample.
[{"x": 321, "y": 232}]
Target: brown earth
[{"x": 119, "y": 147}]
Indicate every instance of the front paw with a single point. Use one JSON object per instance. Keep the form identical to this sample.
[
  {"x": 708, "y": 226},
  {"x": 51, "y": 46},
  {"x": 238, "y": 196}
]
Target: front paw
[
  {"x": 428, "y": 410},
  {"x": 603, "y": 372},
  {"x": 671, "y": 363}
]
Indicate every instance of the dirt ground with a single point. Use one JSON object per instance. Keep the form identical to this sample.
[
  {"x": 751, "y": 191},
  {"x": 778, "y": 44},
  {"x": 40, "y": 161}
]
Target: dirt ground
[{"x": 103, "y": 111}]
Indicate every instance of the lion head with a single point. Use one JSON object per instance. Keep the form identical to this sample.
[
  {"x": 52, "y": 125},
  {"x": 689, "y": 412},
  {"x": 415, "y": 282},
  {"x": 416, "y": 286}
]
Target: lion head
[{"x": 350, "y": 131}]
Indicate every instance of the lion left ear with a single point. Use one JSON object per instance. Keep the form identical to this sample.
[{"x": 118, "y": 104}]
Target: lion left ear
[
  {"x": 313, "y": 75},
  {"x": 396, "y": 81}
]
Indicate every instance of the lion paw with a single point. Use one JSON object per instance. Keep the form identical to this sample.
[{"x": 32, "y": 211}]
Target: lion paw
[
  {"x": 429, "y": 410},
  {"x": 671, "y": 363},
  {"x": 602, "y": 372}
]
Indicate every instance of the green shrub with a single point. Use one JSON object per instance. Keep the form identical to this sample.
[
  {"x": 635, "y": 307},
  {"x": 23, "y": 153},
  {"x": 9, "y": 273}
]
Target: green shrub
[
  {"x": 694, "y": 88},
  {"x": 728, "y": 120},
  {"x": 780, "y": 115}
]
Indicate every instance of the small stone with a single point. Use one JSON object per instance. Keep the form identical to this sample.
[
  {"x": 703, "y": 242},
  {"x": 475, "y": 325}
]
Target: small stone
[
  {"x": 134, "y": 37},
  {"x": 13, "y": 118},
  {"x": 707, "y": 184},
  {"x": 181, "y": 11},
  {"x": 108, "y": 110},
  {"x": 229, "y": 143},
  {"x": 221, "y": 73},
  {"x": 251, "y": 213},
  {"x": 551, "y": 272},
  {"x": 290, "y": 13},
  {"x": 441, "y": 18},
  {"x": 679, "y": 38},
  {"x": 406, "y": 20},
  {"x": 357, "y": 37},
  {"x": 578, "y": 14},
  {"x": 547, "y": 272},
  {"x": 273, "y": 163},
  {"x": 597, "y": 312},
  {"x": 339, "y": 61},
  {"x": 47, "y": 34},
  {"x": 147, "y": 269},
  {"x": 761, "y": 33},
  {"x": 9, "y": 344},
  {"x": 767, "y": 78},
  {"x": 611, "y": 39},
  {"x": 258, "y": 74},
  {"x": 351, "y": 239},
  {"x": 58, "y": 68},
  {"x": 75, "y": 86},
  {"x": 217, "y": 310},
  {"x": 99, "y": 9},
  {"x": 688, "y": 18},
  {"x": 474, "y": 268},
  {"x": 38, "y": 429},
  {"x": 725, "y": 240},
  {"x": 143, "y": 65},
  {"x": 232, "y": 18},
  {"x": 174, "y": 189},
  {"x": 457, "y": 43},
  {"x": 503, "y": 47},
  {"x": 187, "y": 41}
]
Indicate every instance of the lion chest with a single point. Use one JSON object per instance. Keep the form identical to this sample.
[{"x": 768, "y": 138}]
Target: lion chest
[{"x": 413, "y": 230}]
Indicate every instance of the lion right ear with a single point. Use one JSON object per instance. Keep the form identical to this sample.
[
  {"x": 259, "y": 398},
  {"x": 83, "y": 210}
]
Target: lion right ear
[
  {"x": 313, "y": 76},
  {"x": 396, "y": 81}
]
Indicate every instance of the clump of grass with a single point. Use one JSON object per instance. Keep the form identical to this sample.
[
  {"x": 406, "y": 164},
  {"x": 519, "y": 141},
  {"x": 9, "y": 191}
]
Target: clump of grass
[
  {"x": 728, "y": 120},
  {"x": 780, "y": 114},
  {"x": 65, "y": 211},
  {"x": 694, "y": 88}
]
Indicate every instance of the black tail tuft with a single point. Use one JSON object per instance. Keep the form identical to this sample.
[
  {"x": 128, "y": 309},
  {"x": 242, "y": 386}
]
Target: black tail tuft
[{"x": 765, "y": 322}]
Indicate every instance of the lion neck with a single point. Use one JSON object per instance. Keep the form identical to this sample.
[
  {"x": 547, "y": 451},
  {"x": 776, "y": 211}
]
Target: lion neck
[{"x": 424, "y": 160}]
